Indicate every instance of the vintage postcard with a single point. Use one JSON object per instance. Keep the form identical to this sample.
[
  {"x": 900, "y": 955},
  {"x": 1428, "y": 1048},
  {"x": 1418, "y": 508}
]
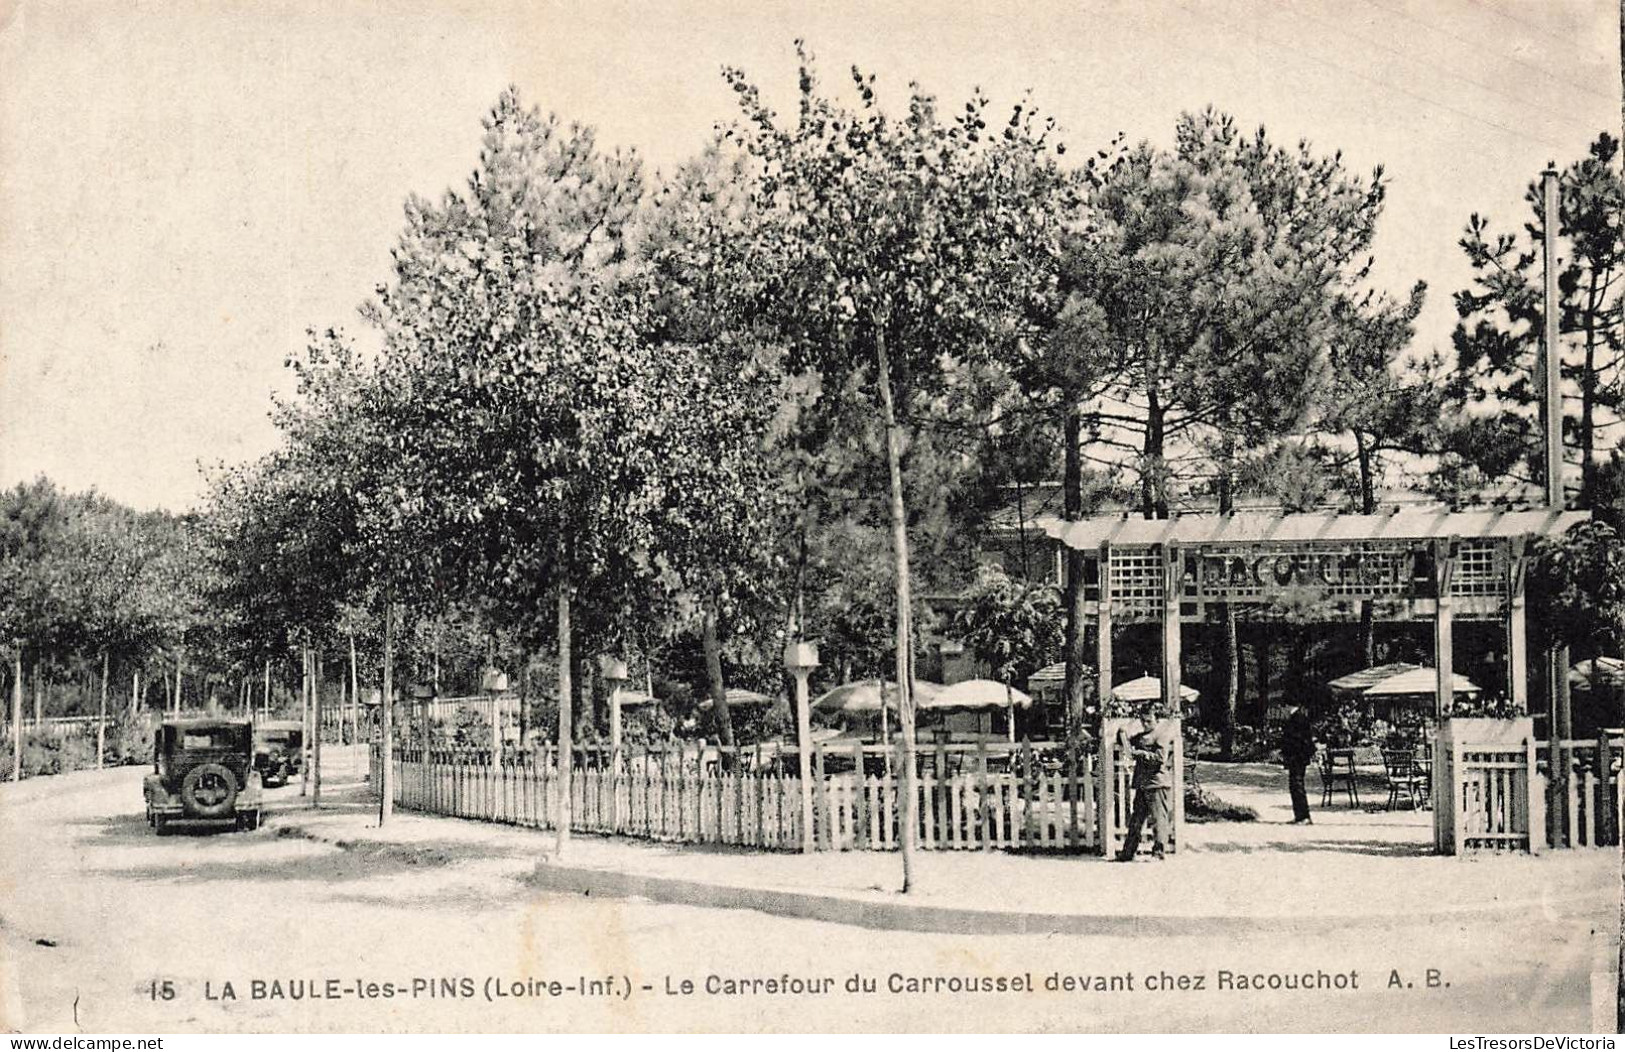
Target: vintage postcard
[{"x": 864, "y": 517}]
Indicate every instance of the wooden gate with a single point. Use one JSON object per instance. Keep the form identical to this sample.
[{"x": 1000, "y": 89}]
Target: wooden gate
[
  {"x": 1489, "y": 794},
  {"x": 1497, "y": 788}
]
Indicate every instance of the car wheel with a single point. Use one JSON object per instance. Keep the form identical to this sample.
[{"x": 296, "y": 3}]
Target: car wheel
[{"x": 209, "y": 790}]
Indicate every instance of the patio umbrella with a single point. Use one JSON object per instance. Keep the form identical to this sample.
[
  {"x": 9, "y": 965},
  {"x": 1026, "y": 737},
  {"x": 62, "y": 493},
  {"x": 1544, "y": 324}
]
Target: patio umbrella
[
  {"x": 981, "y": 694},
  {"x": 1149, "y": 688},
  {"x": 865, "y": 695},
  {"x": 738, "y": 698},
  {"x": 1418, "y": 681},
  {"x": 1361, "y": 681},
  {"x": 976, "y": 694},
  {"x": 637, "y": 697}
]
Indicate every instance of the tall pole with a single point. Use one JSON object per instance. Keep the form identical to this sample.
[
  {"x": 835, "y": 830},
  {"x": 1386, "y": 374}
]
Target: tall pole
[
  {"x": 1557, "y": 657},
  {"x": 801, "y": 659},
  {"x": 1551, "y": 373},
  {"x": 265, "y": 702}
]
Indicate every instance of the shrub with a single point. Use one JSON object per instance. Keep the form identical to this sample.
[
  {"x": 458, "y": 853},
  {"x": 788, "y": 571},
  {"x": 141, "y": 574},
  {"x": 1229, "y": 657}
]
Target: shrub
[
  {"x": 1203, "y": 806},
  {"x": 43, "y": 754},
  {"x": 128, "y": 740}
]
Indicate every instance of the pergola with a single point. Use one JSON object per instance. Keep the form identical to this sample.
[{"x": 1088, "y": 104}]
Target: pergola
[{"x": 1441, "y": 566}]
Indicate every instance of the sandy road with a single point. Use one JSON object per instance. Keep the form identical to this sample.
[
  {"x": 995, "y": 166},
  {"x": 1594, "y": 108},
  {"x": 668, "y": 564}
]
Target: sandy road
[{"x": 98, "y": 914}]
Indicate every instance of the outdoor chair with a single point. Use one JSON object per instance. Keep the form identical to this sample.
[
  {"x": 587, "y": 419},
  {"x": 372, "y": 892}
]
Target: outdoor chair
[
  {"x": 1406, "y": 779},
  {"x": 1337, "y": 771}
]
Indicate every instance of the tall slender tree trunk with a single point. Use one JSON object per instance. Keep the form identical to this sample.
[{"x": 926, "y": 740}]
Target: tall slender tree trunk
[
  {"x": 304, "y": 717},
  {"x": 101, "y": 717},
  {"x": 135, "y": 693},
  {"x": 17, "y": 716},
  {"x": 1588, "y": 401},
  {"x": 1232, "y": 634},
  {"x": 1021, "y": 528},
  {"x": 180, "y": 662},
  {"x": 716, "y": 687},
  {"x": 1264, "y": 677},
  {"x": 39, "y": 693},
  {"x": 1154, "y": 487},
  {"x": 316, "y": 721},
  {"x": 355, "y": 696},
  {"x": 565, "y": 765},
  {"x": 524, "y": 698},
  {"x": 905, "y": 658},
  {"x": 1368, "y": 506},
  {"x": 1076, "y": 654},
  {"x": 386, "y": 721}
]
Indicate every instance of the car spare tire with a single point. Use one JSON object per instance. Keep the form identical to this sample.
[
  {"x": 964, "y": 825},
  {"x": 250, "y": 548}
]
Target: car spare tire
[{"x": 209, "y": 790}]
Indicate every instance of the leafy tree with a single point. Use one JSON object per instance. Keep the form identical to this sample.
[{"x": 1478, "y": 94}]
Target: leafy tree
[
  {"x": 1577, "y": 590},
  {"x": 511, "y": 368},
  {"x": 719, "y": 420},
  {"x": 1494, "y": 436},
  {"x": 1013, "y": 626},
  {"x": 1211, "y": 271},
  {"x": 33, "y": 518},
  {"x": 1384, "y": 404},
  {"x": 888, "y": 247}
]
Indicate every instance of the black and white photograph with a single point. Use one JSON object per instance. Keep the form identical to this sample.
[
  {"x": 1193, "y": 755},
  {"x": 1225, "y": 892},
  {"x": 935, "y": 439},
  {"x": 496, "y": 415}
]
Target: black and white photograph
[{"x": 575, "y": 517}]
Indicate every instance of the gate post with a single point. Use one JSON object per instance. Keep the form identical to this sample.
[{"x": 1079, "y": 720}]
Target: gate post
[
  {"x": 1447, "y": 792},
  {"x": 1106, "y": 787},
  {"x": 1536, "y": 795},
  {"x": 1178, "y": 809}
]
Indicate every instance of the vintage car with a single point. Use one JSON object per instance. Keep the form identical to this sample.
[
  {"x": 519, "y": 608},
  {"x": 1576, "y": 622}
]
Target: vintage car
[
  {"x": 279, "y": 750},
  {"x": 203, "y": 773}
]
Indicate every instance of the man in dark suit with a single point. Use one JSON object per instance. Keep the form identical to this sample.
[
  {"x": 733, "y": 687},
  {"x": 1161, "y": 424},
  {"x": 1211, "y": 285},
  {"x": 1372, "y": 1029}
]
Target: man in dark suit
[
  {"x": 1297, "y": 750},
  {"x": 1153, "y": 752}
]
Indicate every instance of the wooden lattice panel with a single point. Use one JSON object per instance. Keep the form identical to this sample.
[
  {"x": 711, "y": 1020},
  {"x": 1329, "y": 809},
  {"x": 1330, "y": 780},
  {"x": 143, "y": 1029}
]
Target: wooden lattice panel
[
  {"x": 1136, "y": 582},
  {"x": 1480, "y": 570}
]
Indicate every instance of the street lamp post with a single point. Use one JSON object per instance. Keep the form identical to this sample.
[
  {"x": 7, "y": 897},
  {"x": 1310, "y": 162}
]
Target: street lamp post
[
  {"x": 494, "y": 683},
  {"x": 799, "y": 660},
  {"x": 613, "y": 669}
]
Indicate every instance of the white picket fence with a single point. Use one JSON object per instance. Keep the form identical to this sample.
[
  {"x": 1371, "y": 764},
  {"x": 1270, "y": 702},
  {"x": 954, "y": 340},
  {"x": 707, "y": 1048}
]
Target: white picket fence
[{"x": 1044, "y": 796}]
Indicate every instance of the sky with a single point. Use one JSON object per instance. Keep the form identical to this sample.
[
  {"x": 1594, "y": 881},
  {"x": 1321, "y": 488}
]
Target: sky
[{"x": 186, "y": 188}]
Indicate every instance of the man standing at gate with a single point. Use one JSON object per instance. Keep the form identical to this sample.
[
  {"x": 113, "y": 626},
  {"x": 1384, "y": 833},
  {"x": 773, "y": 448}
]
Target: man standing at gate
[
  {"x": 1297, "y": 749},
  {"x": 1153, "y": 752}
]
